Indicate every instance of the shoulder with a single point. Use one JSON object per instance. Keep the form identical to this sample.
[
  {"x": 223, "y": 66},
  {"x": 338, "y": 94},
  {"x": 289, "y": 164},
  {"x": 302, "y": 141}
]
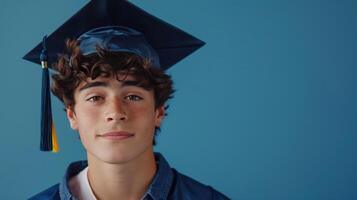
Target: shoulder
[
  {"x": 52, "y": 193},
  {"x": 185, "y": 187}
]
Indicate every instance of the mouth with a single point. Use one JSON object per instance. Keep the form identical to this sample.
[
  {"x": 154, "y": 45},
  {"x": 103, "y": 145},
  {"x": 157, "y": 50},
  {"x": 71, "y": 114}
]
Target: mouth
[{"x": 117, "y": 135}]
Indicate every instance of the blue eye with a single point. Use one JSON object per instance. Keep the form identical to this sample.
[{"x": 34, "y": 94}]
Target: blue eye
[
  {"x": 133, "y": 97},
  {"x": 94, "y": 99}
]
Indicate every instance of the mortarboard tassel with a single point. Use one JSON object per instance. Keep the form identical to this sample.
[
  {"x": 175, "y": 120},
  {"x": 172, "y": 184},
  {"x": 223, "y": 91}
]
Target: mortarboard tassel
[{"x": 48, "y": 133}]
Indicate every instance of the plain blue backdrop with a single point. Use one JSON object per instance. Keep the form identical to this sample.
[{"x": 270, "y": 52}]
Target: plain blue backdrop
[{"x": 266, "y": 110}]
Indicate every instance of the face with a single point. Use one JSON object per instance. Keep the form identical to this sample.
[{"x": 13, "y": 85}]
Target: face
[{"x": 116, "y": 120}]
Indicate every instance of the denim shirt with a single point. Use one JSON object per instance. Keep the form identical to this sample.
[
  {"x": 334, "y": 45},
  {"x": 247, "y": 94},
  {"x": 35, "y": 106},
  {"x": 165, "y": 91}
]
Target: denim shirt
[{"x": 167, "y": 184}]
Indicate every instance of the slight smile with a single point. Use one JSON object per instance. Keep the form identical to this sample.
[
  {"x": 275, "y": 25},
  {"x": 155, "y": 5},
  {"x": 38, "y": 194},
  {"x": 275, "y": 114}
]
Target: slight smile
[{"x": 120, "y": 135}]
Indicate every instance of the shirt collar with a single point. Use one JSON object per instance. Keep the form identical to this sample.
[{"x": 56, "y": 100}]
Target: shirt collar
[
  {"x": 161, "y": 184},
  {"x": 158, "y": 190},
  {"x": 72, "y": 170}
]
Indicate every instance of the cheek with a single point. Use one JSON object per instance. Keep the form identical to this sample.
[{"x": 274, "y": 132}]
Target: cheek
[
  {"x": 137, "y": 111},
  {"x": 142, "y": 113},
  {"x": 87, "y": 115}
]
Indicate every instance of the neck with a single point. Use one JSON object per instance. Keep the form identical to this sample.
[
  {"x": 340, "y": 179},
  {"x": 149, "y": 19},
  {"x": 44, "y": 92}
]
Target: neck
[{"x": 128, "y": 180}]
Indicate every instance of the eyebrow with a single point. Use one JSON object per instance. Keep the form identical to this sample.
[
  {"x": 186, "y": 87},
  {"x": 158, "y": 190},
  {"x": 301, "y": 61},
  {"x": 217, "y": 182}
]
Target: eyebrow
[{"x": 105, "y": 84}]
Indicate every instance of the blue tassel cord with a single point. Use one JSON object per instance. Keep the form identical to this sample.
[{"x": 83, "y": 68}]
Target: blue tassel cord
[{"x": 48, "y": 133}]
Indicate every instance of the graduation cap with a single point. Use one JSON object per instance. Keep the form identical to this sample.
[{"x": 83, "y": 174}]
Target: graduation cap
[{"x": 116, "y": 25}]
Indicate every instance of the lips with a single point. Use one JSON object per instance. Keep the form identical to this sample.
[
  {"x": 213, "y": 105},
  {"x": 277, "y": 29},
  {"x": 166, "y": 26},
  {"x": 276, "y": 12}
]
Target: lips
[{"x": 120, "y": 135}]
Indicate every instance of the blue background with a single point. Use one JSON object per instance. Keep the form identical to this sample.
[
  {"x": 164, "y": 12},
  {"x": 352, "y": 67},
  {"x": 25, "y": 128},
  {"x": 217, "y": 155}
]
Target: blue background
[{"x": 266, "y": 110}]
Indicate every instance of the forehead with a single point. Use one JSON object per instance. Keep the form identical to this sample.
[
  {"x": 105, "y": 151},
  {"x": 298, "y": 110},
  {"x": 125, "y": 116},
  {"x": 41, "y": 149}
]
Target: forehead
[
  {"x": 121, "y": 80},
  {"x": 119, "y": 77}
]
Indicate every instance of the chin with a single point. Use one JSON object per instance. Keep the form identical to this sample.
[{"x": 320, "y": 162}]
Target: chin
[
  {"x": 115, "y": 160},
  {"x": 119, "y": 155},
  {"x": 114, "y": 157}
]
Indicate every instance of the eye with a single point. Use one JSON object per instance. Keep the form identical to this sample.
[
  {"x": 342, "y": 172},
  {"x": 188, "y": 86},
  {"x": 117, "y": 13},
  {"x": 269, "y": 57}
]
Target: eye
[
  {"x": 133, "y": 97},
  {"x": 95, "y": 99}
]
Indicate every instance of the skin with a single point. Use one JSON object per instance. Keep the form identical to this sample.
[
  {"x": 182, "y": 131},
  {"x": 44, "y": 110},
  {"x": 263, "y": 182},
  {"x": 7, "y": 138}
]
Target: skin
[{"x": 117, "y": 169}]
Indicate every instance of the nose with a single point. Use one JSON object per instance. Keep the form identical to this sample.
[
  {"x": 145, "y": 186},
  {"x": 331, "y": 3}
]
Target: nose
[{"x": 115, "y": 111}]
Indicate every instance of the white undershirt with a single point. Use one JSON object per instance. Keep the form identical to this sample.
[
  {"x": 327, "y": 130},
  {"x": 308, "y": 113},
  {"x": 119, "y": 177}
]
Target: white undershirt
[{"x": 79, "y": 186}]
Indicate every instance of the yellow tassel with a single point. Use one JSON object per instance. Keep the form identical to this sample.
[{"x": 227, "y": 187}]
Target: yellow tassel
[{"x": 55, "y": 147}]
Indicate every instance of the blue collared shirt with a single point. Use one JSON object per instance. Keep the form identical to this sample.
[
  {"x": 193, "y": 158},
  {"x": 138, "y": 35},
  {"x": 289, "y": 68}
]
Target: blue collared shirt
[{"x": 167, "y": 184}]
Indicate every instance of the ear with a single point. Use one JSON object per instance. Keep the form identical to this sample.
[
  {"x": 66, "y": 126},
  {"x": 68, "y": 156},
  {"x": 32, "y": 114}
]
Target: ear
[
  {"x": 159, "y": 115},
  {"x": 72, "y": 118}
]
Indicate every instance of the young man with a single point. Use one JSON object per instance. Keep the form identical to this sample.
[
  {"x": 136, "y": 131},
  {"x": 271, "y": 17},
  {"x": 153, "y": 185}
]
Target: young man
[{"x": 114, "y": 88}]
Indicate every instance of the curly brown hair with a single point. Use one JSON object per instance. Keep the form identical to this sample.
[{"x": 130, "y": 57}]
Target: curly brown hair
[{"x": 73, "y": 68}]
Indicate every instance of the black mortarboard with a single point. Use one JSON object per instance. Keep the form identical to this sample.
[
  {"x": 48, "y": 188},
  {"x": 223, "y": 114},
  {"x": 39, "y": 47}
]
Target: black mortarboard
[
  {"x": 170, "y": 43},
  {"x": 118, "y": 26}
]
